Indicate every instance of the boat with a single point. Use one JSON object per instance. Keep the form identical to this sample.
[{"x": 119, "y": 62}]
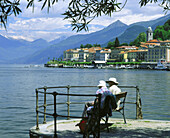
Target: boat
[
  {"x": 122, "y": 67},
  {"x": 161, "y": 65},
  {"x": 31, "y": 66},
  {"x": 51, "y": 65},
  {"x": 67, "y": 66},
  {"x": 130, "y": 67},
  {"x": 88, "y": 66}
]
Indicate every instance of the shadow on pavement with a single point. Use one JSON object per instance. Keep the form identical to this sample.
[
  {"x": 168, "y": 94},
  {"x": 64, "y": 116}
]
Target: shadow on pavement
[{"x": 119, "y": 133}]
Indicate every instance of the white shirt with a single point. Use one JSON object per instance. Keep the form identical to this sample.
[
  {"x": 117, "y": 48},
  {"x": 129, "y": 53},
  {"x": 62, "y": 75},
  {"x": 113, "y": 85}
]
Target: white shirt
[{"x": 115, "y": 90}]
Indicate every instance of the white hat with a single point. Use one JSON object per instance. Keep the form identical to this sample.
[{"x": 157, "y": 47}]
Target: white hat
[
  {"x": 112, "y": 80},
  {"x": 102, "y": 83}
]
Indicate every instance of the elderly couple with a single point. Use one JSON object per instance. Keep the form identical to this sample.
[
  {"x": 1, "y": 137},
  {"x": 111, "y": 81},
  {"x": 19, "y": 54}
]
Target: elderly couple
[{"x": 113, "y": 89}]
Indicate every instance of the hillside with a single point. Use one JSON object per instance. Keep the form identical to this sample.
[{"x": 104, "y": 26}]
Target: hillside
[{"x": 129, "y": 35}]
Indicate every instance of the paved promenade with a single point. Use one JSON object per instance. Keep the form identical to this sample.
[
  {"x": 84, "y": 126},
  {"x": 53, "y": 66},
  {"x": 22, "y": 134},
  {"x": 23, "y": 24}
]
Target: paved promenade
[{"x": 133, "y": 128}]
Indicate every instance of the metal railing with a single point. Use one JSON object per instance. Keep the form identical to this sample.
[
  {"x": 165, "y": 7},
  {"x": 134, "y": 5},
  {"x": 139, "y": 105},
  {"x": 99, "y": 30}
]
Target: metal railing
[{"x": 43, "y": 90}]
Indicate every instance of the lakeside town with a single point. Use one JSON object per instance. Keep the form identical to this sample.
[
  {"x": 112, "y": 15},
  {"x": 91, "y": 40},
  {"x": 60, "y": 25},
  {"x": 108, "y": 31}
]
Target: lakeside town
[{"x": 152, "y": 54}]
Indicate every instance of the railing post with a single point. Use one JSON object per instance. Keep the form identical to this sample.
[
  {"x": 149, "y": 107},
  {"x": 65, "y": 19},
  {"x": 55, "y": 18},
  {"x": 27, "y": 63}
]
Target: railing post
[
  {"x": 138, "y": 105},
  {"x": 68, "y": 102},
  {"x": 45, "y": 104},
  {"x": 37, "y": 117},
  {"x": 98, "y": 121},
  {"x": 55, "y": 115}
]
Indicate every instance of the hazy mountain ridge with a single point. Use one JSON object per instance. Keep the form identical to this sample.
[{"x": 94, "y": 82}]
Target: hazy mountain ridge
[
  {"x": 153, "y": 23},
  {"x": 75, "y": 41},
  {"x": 39, "y": 51}
]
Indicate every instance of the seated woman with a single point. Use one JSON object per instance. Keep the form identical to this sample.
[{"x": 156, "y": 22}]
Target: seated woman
[{"x": 104, "y": 91}]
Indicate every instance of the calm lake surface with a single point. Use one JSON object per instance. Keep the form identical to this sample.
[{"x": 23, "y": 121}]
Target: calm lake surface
[{"x": 17, "y": 93}]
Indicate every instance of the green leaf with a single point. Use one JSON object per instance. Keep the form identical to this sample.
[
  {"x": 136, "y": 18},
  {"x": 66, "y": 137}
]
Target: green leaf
[{"x": 44, "y": 4}]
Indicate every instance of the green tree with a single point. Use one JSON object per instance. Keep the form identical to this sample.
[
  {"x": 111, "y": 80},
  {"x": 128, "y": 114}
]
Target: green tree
[
  {"x": 167, "y": 25},
  {"x": 140, "y": 38},
  {"x": 88, "y": 46},
  {"x": 131, "y": 43},
  {"x": 80, "y": 12},
  {"x": 162, "y": 32},
  {"x": 124, "y": 44},
  {"x": 110, "y": 44},
  {"x": 96, "y": 45},
  {"x": 81, "y": 46}
]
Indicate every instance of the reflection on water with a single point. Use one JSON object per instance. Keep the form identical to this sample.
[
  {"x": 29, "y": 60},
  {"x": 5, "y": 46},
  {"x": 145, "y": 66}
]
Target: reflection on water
[{"x": 17, "y": 90}]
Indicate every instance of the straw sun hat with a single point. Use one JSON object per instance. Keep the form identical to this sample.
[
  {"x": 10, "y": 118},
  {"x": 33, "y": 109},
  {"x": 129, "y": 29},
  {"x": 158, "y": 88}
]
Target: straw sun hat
[
  {"x": 112, "y": 80},
  {"x": 102, "y": 83}
]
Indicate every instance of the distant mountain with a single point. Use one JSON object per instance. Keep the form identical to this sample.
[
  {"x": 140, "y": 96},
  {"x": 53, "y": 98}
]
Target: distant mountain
[
  {"x": 129, "y": 35},
  {"x": 9, "y": 43},
  {"x": 99, "y": 37},
  {"x": 153, "y": 23},
  {"x": 39, "y": 44},
  {"x": 39, "y": 51},
  {"x": 12, "y": 49},
  {"x": 104, "y": 35},
  {"x": 53, "y": 42}
]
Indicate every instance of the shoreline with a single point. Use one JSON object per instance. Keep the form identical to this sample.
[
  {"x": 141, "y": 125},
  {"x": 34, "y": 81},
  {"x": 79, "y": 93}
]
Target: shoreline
[{"x": 128, "y": 67}]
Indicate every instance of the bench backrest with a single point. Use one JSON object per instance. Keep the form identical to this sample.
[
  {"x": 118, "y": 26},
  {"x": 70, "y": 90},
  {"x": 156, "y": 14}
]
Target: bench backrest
[{"x": 121, "y": 95}]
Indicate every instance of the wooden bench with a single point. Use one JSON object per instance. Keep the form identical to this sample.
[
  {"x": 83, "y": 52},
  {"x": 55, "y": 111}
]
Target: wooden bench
[
  {"x": 122, "y": 97},
  {"x": 92, "y": 123}
]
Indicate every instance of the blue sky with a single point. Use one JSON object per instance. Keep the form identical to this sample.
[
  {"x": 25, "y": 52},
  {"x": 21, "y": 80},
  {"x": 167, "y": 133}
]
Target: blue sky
[{"x": 49, "y": 26}]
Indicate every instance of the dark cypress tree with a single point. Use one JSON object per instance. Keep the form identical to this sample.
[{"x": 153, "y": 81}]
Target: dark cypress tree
[{"x": 117, "y": 42}]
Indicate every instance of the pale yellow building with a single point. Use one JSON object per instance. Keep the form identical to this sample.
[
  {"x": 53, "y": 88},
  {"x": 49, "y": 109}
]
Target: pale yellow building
[
  {"x": 137, "y": 55},
  {"x": 71, "y": 55},
  {"x": 158, "y": 52}
]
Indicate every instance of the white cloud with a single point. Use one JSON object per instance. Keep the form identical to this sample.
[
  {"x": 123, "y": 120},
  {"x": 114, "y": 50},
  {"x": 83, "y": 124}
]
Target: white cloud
[
  {"x": 21, "y": 37},
  {"x": 131, "y": 13},
  {"x": 39, "y": 24},
  {"x": 50, "y": 26}
]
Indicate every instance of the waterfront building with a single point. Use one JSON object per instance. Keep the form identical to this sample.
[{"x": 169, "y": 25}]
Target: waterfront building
[
  {"x": 83, "y": 55},
  {"x": 92, "y": 53},
  {"x": 151, "y": 51},
  {"x": 153, "y": 42},
  {"x": 68, "y": 54},
  {"x": 105, "y": 54},
  {"x": 91, "y": 56},
  {"x": 165, "y": 43},
  {"x": 114, "y": 56},
  {"x": 158, "y": 52},
  {"x": 120, "y": 53},
  {"x": 71, "y": 54},
  {"x": 137, "y": 55},
  {"x": 123, "y": 56},
  {"x": 127, "y": 47}
]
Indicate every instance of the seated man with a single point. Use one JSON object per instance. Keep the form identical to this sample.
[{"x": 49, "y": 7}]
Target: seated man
[{"x": 114, "y": 89}]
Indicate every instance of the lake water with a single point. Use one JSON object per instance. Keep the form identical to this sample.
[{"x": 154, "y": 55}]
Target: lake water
[{"x": 17, "y": 93}]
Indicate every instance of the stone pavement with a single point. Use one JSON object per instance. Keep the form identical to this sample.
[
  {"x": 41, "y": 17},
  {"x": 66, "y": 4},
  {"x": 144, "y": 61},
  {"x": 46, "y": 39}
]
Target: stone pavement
[{"x": 133, "y": 128}]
